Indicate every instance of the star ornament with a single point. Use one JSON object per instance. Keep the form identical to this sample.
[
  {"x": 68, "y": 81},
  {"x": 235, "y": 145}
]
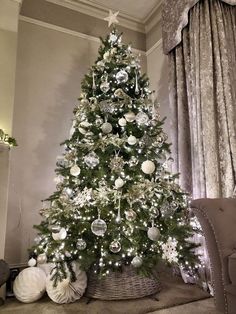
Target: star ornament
[{"x": 112, "y": 18}]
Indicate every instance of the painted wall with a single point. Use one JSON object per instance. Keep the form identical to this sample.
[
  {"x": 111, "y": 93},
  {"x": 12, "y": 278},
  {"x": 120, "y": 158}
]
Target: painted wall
[
  {"x": 157, "y": 68},
  {"x": 50, "y": 66}
]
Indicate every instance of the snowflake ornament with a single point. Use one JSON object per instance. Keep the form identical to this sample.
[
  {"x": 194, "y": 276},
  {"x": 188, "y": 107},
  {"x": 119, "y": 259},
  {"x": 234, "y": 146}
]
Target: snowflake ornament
[
  {"x": 84, "y": 197},
  {"x": 169, "y": 251}
]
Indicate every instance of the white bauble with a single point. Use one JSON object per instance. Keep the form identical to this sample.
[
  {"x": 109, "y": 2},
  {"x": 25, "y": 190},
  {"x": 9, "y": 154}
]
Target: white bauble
[
  {"x": 67, "y": 291},
  {"x": 132, "y": 140},
  {"x": 153, "y": 233},
  {"x": 106, "y": 127},
  {"x": 61, "y": 235},
  {"x": 119, "y": 183},
  {"x": 148, "y": 167},
  {"x": 29, "y": 286},
  {"x": 122, "y": 122},
  {"x": 137, "y": 261},
  {"x": 130, "y": 116},
  {"x": 42, "y": 258},
  {"x": 32, "y": 262},
  {"x": 75, "y": 171}
]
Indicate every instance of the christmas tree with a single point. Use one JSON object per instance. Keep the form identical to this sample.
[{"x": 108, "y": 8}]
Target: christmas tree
[{"x": 116, "y": 203}]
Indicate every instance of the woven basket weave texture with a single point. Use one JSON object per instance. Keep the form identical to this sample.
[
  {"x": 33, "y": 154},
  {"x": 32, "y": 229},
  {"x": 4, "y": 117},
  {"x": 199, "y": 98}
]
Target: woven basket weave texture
[{"x": 121, "y": 285}]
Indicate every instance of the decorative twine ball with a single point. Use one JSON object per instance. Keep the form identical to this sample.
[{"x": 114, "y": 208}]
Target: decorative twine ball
[
  {"x": 130, "y": 215},
  {"x": 148, "y": 167},
  {"x": 42, "y": 258},
  {"x": 153, "y": 233},
  {"x": 81, "y": 244},
  {"x": 132, "y": 140},
  {"x": 75, "y": 171},
  {"x": 99, "y": 227},
  {"x": 122, "y": 76},
  {"x": 119, "y": 183},
  {"x": 30, "y": 285},
  {"x": 32, "y": 262},
  {"x": 61, "y": 235},
  {"x": 115, "y": 246},
  {"x": 122, "y": 122},
  {"x": 67, "y": 291},
  {"x": 106, "y": 127},
  {"x": 130, "y": 116},
  {"x": 137, "y": 261}
]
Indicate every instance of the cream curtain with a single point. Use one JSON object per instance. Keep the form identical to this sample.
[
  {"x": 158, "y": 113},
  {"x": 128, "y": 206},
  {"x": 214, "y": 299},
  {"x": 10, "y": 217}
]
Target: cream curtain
[{"x": 203, "y": 100}]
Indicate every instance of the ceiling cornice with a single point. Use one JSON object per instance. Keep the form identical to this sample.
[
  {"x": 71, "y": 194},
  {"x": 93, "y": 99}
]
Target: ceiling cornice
[
  {"x": 100, "y": 12},
  {"x": 153, "y": 18}
]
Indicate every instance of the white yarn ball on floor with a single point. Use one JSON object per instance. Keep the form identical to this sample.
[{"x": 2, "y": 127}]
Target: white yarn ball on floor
[
  {"x": 30, "y": 285},
  {"x": 66, "y": 291}
]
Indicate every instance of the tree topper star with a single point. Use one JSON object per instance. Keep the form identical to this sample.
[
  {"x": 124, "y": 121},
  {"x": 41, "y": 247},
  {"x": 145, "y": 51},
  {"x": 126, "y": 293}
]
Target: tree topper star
[{"x": 112, "y": 18}]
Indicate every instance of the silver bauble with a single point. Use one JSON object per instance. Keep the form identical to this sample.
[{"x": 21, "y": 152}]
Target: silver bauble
[
  {"x": 122, "y": 122},
  {"x": 42, "y": 258},
  {"x": 148, "y": 167},
  {"x": 137, "y": 261},
  {"x": 91, "y": 160},
  {"x": 106, "y": 127},
  {"x": 153, "y": 233},
  {"x": 99, "y": 227},
  {"x": 105, "y": 86},
  {"x": 115, "y": 247},
  {"x": 81, "y": 244},
  {"x": 130, "y": 116},
  {"x": 132, "y": 140},
  {"x": 75, "y": 170},
  {"x": 142, "y": 118},
  {"x": 119, "y": 183},
  {"x": 130, "y": 215},
  {"x": 84, "y": 101},
  {"x": 122, "y": 76}
]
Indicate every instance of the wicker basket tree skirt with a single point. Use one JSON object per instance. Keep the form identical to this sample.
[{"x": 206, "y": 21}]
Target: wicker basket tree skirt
[{"x": 121, "y": 285}]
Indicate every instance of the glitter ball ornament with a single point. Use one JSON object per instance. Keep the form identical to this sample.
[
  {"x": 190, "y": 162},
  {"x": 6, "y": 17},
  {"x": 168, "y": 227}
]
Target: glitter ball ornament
[
  {"x": 99, "y": 227},
  {"x": 122, "y": 122},
  {"x": 81, "y": 244},
  {"x": 91, "y": 160},
  {"x": 61, "y": 235},
  {"x": 132, "y": 140},
  {"x": 130, "y": 116},
  {"x": 122, "y": 76},
  {"x": 153, "y": 233},
  {"x": 32, "y": 262},
  {"x": 75, "y": 170},
  {"x": 142, "y": 118},
  {"x": 130, "y": 215},
  {"x": 105, "y": 106},
  {"x": 148, "y": 167},
  {"x": 119, "y": 183},
  {"x": 137, "y": 261},
  {"x": 42, "y": 258},
  {"x": 106, "y": 127},
  {"x": 115, "y": 247},
  {"x": 105, "y": 86}
]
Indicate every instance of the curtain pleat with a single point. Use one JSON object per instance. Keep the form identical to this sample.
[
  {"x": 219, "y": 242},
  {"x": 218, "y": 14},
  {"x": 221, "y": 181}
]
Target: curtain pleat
[{"x": 203, "y": 100}]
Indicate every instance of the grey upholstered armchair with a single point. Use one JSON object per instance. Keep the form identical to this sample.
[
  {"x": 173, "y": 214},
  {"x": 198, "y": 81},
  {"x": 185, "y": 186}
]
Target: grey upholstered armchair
[{"x": 218, "y": 220}]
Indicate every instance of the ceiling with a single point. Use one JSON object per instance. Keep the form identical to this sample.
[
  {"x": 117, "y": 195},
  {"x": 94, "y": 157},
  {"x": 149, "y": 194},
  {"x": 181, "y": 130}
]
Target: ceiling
[
  {"x": 139, "y": 15},
  {"x": 139, "y": 10}
]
